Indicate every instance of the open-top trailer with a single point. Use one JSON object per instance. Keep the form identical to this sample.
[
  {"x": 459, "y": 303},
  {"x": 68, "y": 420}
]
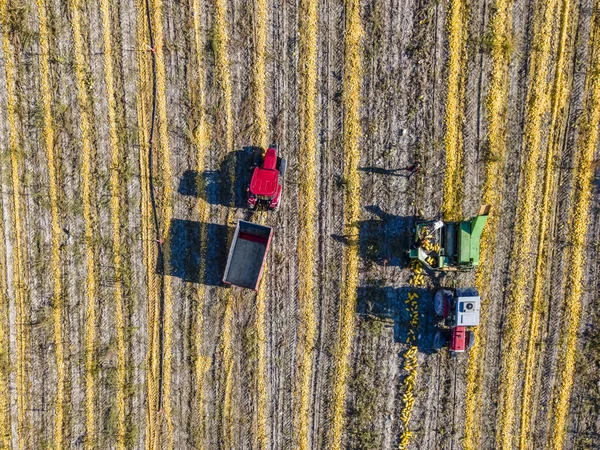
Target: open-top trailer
[{"x": 247, "y": 255}]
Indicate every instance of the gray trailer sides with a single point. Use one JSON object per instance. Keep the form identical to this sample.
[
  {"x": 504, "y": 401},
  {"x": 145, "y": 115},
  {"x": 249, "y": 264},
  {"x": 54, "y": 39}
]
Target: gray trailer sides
[{"x": 247, "y": 255}]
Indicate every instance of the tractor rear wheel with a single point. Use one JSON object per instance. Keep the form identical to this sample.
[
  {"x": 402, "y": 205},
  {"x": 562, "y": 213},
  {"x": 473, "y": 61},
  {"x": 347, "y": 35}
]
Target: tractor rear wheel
[
  {"x": 442, "y": 302},
  {"x": 440, "y": 340},
  {"x": 282, "y": 167}
]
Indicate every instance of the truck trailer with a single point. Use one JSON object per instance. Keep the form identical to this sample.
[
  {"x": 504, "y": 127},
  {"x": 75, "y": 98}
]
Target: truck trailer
[{"x": 247, "y": 255}]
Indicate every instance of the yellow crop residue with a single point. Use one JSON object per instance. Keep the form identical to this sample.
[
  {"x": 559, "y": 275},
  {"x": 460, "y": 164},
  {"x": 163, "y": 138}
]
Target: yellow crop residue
[
  {"x": 559, "y": 97},
  {"x": 260, "y": 34},
  {"x": 348, "y": 297},
  {"x": 538, "y": 102},
  {"x": 90, "y": 220},
  {"x": 307, "y": 214},
  {"x": 578, "y": 221},
  {"x": 201, "y": 141},
  {"x": 19, "y": 252},
  {"x": 261, "y": 369},
  {"x": 492, "y": 195},
  {"x": 166, "y": 215},
  {"x": 48, "y": 133},
  {"x": 457, "y": 38},
  {"x": 115, "y": 212},
  {"x": 144, "y": 101},
  {"x": 5, "y": 359},
  {"x": 220, "y": 46}
]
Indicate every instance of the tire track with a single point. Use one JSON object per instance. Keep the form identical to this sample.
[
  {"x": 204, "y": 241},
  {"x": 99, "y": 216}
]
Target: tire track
[
  {"x": 57, "y": 300},
  {"x": 351, "y": 138},
  {"x": 5, "y": 356},
  {"x": 559, "y": 98},
  {"x": 497, "y": 101},
  {"x": 578, "y": 220},
  {"x": 538, "y": 101}
]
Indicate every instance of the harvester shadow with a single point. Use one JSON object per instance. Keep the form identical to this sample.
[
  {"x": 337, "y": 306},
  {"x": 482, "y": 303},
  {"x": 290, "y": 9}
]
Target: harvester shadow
[
  {"x": 225, "y": 186},
  {"x": 183, "y": 247},
  {"x": 388, "y": 304},
  {"x": 383, "y": 239}
]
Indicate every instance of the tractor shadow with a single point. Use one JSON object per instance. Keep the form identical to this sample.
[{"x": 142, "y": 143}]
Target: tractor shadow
[
  {"x": 388, "y": 304},
  {"x": 225, "y": 186},
  {"x": 383, "y": 239},
  {"x": 182, "y": 252}
]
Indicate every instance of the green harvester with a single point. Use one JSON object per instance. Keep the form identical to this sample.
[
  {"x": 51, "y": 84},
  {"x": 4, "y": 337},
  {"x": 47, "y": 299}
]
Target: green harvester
[{"x": 449, "y": 246}]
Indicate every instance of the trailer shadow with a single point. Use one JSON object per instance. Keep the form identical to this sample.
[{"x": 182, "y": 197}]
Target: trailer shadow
[
  {"x": 384, "y": 239},
  {"x": 183, "y": 247},
  {"x": 226, "y": 186},
  {"x": 389, "y": 305}
]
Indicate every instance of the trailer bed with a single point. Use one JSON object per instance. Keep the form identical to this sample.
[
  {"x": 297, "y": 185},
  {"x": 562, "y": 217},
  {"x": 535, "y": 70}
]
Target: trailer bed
[{"x": 247, "y": 255}]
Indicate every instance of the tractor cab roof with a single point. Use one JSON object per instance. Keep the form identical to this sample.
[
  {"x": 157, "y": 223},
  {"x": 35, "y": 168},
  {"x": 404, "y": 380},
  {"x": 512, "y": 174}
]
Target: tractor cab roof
[
  {"x": 467, "y": 311},
  {"x": 266, "y": 178},
  {"x": 264, "y": 182}
]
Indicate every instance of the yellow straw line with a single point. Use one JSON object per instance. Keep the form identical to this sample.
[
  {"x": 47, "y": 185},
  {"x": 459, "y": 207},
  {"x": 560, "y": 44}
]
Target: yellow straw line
[
  {"x": 48, "y": 132},
  {"x": 307, "y": 220},
  {"x": 5, "y": 416},
  {"x": 90, "y": 326},
  {"x": 164, "y": 162},
  {"x": 115, "y": 207},
  {"x": 261, "y": 17},
  {"x": 579, "y": 226},
  {"x": 538, "y": 100},
  {"x": 220, "y": 45},
  {"x": 5, "y": 360},
  {"x": 201, "y": 140},
  {"x": 492, "y": 195},
  {"x": 352, "y": 134},
  {"x": 19, "y": 264},
  {"x": 149, "y": 247},
  {"x": 261, "y": 369},
  {"x": 457, "y": 29},
  {"x": 559, "y": 96}
]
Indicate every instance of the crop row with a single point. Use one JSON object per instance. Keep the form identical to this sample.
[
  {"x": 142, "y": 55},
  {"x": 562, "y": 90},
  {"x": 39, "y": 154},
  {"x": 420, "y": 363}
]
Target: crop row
[
  {"x": 307, "y": 220},
  {"x": 587, "y": 145},
  {"x": 351, "y": 140}
]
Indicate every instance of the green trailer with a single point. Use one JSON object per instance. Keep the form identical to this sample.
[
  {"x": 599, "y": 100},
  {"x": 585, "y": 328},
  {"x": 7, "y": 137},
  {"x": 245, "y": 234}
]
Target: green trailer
[{"x": 449, "y": 245}]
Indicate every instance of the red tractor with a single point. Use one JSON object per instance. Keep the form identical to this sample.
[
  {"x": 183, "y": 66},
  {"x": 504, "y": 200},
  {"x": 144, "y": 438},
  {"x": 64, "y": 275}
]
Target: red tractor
[
  {"x": 267, "y": 173},
  {"x": 460, "y": 310}
]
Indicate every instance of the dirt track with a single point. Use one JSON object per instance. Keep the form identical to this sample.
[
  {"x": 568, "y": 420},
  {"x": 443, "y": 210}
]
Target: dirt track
[{"x": 403, "y": 95}]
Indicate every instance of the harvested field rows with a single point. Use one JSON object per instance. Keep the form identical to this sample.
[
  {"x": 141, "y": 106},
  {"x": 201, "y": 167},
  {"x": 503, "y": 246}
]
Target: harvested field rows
[{"x": 124, "y": 135}]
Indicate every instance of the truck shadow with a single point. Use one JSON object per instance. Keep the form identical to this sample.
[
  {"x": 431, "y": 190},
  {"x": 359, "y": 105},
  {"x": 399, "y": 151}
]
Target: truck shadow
[
  {"x": 225, "y": 186},
  {"x": 388, "y": 304},
  {"x": 384, "y": 239},
  {"x": 183, "y": 247}
]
